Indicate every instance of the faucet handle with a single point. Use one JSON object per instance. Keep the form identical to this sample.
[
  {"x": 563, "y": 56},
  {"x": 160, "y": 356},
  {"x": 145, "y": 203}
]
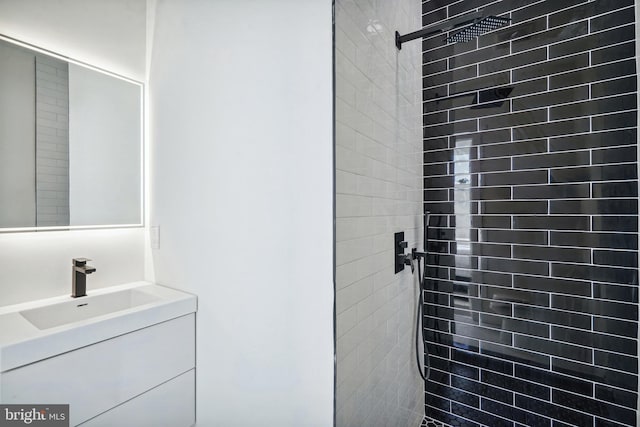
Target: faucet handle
[{"x": 80, "y": 262}]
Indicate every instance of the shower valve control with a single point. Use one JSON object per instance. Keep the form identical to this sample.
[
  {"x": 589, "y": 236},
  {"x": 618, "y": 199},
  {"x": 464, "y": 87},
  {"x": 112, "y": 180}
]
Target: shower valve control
[{"x": 398, "y": 254}]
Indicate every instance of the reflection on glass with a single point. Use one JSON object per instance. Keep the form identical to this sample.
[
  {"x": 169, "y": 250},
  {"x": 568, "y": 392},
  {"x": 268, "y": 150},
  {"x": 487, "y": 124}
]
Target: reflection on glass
[
  {"x": 464, "y": 316},
  {"x": 462, "y": 202},
  {"x": 70, "y": 143},
  {"x": 470, "y": 298}
]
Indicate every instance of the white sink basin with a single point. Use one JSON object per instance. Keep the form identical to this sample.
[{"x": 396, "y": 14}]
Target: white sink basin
[
  {"x": 41, "y": 329},
  {"x": 86, "y": 307}
]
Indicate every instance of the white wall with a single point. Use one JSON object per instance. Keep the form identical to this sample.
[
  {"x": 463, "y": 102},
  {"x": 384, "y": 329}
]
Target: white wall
[
  {"x": 17, "y": 137},
  {"x": 379, "y": 192},
  {"x": 38, "y": 265},
  {"x": 105, "y": 33},
  {"x": 104, "y": 149},
  {"x": 108, "y": 33},
  {"x": 240, "y": 100}
]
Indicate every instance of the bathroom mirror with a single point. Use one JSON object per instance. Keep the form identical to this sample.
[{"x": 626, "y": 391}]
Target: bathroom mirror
[{"x": 71, "y": 145}]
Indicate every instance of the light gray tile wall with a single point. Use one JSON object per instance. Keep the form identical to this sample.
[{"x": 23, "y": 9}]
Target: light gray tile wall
[
  {"x": 378, "y": 193},
  {"x": 52, "y": 142}
]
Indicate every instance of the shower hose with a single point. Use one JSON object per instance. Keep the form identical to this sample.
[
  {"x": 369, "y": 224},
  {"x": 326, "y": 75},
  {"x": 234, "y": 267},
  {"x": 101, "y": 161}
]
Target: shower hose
[{"x": 423, "y": 367}]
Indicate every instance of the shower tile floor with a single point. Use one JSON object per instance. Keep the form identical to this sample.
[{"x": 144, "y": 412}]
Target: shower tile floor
[{"x": 428, "y": 422}]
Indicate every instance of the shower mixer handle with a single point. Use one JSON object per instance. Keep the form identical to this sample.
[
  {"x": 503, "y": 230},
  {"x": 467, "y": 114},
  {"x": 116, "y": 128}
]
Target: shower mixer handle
[{"x": 409, "y": 261}]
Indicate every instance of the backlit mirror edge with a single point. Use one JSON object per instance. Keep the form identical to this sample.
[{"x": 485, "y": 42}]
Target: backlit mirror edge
[{"x": 143, "y": 195}]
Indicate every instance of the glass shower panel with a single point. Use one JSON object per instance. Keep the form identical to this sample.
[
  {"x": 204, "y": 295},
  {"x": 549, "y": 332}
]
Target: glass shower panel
[
  {"x": 531, "y": 181},
  {"x": 378, "y": 151}
]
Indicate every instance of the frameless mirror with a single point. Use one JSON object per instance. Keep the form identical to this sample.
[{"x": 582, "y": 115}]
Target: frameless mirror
[{"x": 70, "y": 143}]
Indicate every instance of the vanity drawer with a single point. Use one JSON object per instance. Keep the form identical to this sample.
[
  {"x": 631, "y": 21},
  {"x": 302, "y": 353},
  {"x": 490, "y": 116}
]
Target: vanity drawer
[
  {"x": 171, "y": 404},
  {"x": 98, "y": 377}
]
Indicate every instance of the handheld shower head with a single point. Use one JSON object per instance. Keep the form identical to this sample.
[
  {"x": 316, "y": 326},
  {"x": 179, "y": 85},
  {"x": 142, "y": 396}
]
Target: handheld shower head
[{"x": 425, "y": 229}]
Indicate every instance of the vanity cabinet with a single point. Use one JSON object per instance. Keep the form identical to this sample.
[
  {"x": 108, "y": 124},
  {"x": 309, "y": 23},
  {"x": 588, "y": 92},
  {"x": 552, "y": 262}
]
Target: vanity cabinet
[{"x": 142, "y": 378}]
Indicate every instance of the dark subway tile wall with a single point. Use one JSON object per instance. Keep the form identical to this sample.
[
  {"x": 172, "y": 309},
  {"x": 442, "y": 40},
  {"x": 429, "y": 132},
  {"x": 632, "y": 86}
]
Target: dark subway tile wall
[{"x": 531, "y": 302}]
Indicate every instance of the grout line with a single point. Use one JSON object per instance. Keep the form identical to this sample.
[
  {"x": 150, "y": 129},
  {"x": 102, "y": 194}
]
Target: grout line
[
  {"x": 538, "y": 322},
  {"x": 523, "y": 141},
  {"x": 546, "y": 29},
  {"x": 561, "y": 310},
  {"x": 533, "y": 79}
]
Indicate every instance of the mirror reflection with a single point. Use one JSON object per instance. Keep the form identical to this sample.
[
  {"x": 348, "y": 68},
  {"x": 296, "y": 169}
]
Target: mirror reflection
[{"x": 70, "y": 143}]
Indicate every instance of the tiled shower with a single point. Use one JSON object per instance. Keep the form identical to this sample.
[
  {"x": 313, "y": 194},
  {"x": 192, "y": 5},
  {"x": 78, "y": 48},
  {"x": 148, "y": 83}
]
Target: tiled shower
[
  {"x": 378, "y": 192},
  {"x": 529, "y": 157},
  {"x": 532, "y": 286}
]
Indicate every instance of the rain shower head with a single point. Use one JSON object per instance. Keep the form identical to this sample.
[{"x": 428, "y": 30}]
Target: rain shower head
[
  {"x": 466, "y": 27},
  {"x": 477, "y": 29}
]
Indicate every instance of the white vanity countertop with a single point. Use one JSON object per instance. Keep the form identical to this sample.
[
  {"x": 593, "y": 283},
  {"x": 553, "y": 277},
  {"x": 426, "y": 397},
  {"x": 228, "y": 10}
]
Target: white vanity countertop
[{"x": 21, "y": 342}]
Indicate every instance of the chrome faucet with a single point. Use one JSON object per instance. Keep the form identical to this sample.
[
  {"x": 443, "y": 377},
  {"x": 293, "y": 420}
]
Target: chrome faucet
[{"x": 79, "y": 273}]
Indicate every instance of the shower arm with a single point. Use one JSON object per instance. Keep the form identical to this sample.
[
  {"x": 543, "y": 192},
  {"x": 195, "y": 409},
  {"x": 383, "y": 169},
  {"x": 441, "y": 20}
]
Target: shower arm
[
  {"x": 415, "y": 254},
  {"x": 469, "y": 18}
]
